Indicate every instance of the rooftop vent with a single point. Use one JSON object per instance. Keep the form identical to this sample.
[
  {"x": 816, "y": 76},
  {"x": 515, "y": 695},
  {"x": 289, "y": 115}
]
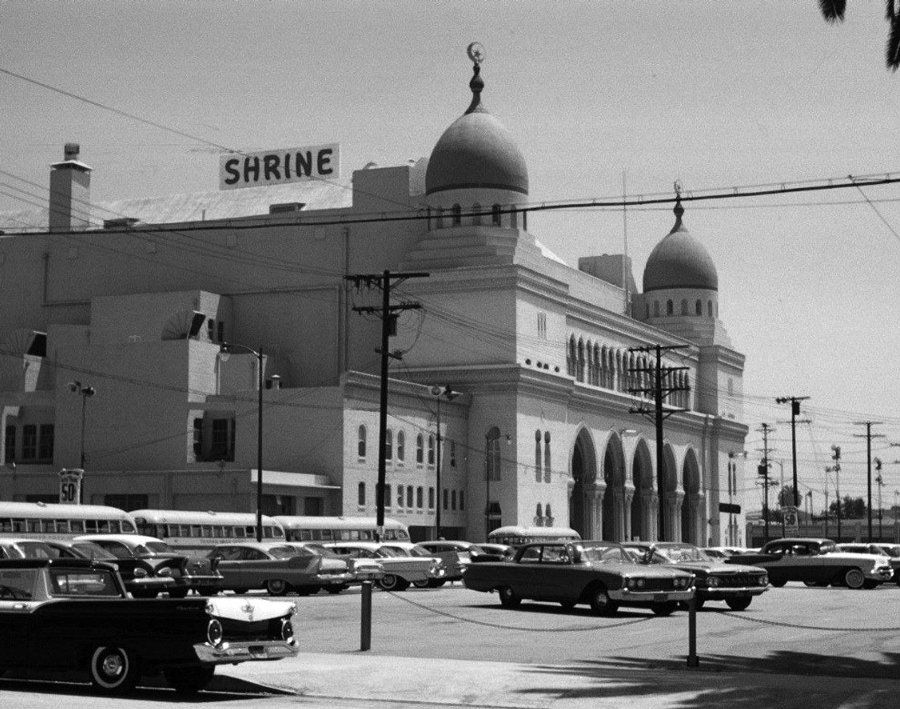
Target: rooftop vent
[
  {"x": 120, "y": 222},
  {"x": 71, "y": 150},
  {"x": 284, "y": 207}
]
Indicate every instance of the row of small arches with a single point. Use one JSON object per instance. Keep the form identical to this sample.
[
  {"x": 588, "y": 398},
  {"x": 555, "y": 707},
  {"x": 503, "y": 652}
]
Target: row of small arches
[
  {"x": 439, "y": 218},
  {"x": 400, "y": 450},
  {"x": 620, "y": 370},
  {"x": 712, "y": 309}
]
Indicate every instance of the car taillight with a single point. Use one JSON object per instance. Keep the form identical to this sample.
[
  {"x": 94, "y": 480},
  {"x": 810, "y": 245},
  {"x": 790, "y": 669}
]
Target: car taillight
[
  {"x": 287, "y": 630},
  {"x": 214, "y": 632},
  {"x": 140, "y": 573},
  {"x": 166, "y": 571}
]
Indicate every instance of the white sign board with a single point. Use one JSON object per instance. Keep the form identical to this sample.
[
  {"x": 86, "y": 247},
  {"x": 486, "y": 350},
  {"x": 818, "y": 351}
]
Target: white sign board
[
  {"x": 278, "y": 167},
  {"x": 70, "y": 486}
]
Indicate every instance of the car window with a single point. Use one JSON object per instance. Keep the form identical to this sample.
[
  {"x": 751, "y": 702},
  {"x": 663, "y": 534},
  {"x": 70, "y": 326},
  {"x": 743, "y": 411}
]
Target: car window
[
  {"x": 289, "y": 552},
  {"x": 251, "y": 554},
  {"x": 66, "y": 582},
  {"x": 158, "y": 547},
  {"x": 18, "y": 584},
  {"x": 92, "y": 551},
  {"x": 117, "y": 549},
  {"x": 397, "y": 551},
  {"x": 36, "y": 550},
  {"x": 421, "y": 551},
  {"x": 555, "y": 555},
  {"x": 531, "y": 554}
]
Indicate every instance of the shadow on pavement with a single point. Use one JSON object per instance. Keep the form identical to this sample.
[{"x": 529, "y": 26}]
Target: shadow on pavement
[
  {"x": 734, "y": 681},
  {"x": 153, "y": 688}
]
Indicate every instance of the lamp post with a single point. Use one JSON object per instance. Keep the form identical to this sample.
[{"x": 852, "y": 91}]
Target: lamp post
[
  {"x": 77, "y": 387},
  {"x": 439, "y": 392},
  {"x": 225, "y": 351}
]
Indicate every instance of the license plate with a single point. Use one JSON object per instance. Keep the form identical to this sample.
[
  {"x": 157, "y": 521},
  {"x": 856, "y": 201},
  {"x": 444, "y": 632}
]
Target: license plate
[
  {"x": 257, "y": 650},
  {"x": 660, "y": 597}
]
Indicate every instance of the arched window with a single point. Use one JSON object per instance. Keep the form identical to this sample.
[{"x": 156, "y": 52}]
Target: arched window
[
  {"x": 430, "y": 498},
  {"x": 388, "y": 444},
  {"x": 456, "y": 213},
  {"x": 579, "y": 373},
  {"x": 453, "y": 499},
  {"x": 401, "y": 446},
  {"x": 549, "y": 513},
  {"x": 462, "y": 500},
  {"x": 387, "y": 496},
  {"x": 476, "y": 214},
  {"x": 495, "y": 214},
  {"x": 439, "y": 218},
  {"x": 709, "y": 310},
  {"x": 361, "y": 494},
  {"x": 647, "y": 309},
  {"x": 409, "y": 496},
  {"x": 538, "y": 514},
  {"x": 537, "y": 456},
  {"x": 452, "y": 454},
  {"x": 431, "y": 449},
  {"x": 400, "y": 496},
  {"x": 656, "y": 308},
  {"x": 698, "y": 307},
  {"x": 670, "y": 307},
  {"x": 420, "y": 449},
  {"x": 361, "y": 445},
  {"x": 684, "y": 310},
  {"x": 547, "y": 456},
  {"x": 571, "y": 357},
  {"x": 420, "y": 497}
]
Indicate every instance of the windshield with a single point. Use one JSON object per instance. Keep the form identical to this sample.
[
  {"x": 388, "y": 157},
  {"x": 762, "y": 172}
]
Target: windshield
[
  {"x": 604, "y": 554},
  {"x": 287, "y": 552},
  {"x": 37, "y": 550},
  {"x": 319, "y": 549},
  {"x": 890, "y": 550},
  {"x": 419, "y": 551},
  {"x": 684, "y": 553},
  {"x": 93, "y": 551}
]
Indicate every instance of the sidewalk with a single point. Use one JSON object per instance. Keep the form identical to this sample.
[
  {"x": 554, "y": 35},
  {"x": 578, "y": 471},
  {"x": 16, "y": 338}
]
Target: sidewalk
[{"x": 359, "y": 679}]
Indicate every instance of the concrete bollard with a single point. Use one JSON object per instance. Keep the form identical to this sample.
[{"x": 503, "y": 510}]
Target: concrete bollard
[
  {"x": 365, "y": 629},
  {"x": 693, "y": 660}
]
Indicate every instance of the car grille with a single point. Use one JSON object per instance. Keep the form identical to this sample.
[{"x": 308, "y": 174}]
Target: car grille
[
  {"x": 738, "y": 580},
  {"x": 657, "y": 584},
  {"x": 243, "y": 631}
]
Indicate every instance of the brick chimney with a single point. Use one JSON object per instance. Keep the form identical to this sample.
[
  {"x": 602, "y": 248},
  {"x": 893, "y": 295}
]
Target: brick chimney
[{"x": 70, "y": 192}]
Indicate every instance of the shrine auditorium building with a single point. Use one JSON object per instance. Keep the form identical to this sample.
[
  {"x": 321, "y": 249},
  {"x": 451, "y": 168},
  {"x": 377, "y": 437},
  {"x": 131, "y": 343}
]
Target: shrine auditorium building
[{"x": 543, "y": 357}]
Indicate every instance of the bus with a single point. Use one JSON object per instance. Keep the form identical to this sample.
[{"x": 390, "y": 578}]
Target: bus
[
  {"x": 513, "y": 535},
  {"x": 201, "y": 531},
  {"x": 50, "y": 520},
  {"x": 339, "y": 529}
]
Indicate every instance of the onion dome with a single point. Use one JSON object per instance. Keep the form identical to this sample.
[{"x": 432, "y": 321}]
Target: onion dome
[
  {"x": 476, "y": 151},
  {"x": 680, "y": 261}
]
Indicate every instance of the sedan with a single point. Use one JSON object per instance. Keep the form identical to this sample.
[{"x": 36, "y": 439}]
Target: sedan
[
  {"x": 278, "y": 567},
  {"x": 891, "y": 551},
  {"x": 400, "y": 570}
]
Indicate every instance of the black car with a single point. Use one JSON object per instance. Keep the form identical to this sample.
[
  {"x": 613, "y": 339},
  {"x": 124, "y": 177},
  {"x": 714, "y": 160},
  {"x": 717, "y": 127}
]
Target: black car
[
  {"x": 138, "y": 556},
  {"x": 73, "y": 614}
]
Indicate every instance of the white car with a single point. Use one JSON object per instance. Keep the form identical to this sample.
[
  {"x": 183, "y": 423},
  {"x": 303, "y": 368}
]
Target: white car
[{"x": 400, "y": 570}]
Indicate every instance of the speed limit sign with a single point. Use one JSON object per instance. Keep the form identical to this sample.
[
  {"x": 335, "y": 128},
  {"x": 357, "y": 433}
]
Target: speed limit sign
[{"x": 70, "y": 486}]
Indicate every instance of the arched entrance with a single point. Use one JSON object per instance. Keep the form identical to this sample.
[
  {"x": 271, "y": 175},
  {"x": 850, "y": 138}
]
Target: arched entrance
[
  {"x": 691, "y": 505},
  {"x": 614, "y": 495},
  {"x": 643, "y": 518},
  {"x": 583, "y": 494}
]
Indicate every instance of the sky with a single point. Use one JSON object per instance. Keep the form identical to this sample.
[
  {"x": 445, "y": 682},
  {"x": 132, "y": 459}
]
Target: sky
[{"x": 601, "y": 96}]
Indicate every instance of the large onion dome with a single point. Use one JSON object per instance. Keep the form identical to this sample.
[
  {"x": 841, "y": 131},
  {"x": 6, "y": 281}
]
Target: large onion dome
[{"x": 680, "y": 261}]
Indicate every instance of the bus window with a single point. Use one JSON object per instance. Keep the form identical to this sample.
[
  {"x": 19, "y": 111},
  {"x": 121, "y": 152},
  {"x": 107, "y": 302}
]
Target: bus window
[
  {"x": 33, "y": 525},
  {"x": 305, "y": 535},
  {"x": 76, "y": 526},
  {"x": 128, "y": 527},
  {"x": 90, "y": 526},
  {"x": 6, "y": 525},
  {"x": 18, "y": 525},
  {"x": 278, "y": 532},
  {"x": 196, "y": 531},
  {"x": 365, "y": 535},
  {"x": 206, "y": 530},
  {"x": 240, "y": 532},
  {"x": 326, "y": 535},
  {"x": 105, "y": 526}
]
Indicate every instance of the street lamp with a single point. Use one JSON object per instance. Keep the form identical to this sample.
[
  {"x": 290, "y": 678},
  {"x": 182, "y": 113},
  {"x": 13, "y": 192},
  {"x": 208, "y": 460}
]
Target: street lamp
[
  {"x": 439, "y": 392},
  {"x": 77, "y": 387},
  {"x": 225, "y": 351}
]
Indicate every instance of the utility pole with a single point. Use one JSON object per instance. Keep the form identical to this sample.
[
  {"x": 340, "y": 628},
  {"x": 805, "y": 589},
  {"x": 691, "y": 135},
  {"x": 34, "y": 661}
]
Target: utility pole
[
  {"x": 826, "y": 508},
  {"x": 764, "y": 472},
  {"x": 387, "y": 313},
  {"x": 659, "y": 392},
  {"x": 795, "y": 411},
  {"x": 880, "y": 484},
  {"x": 868, "y": 435},
  {"x": 836, "y": 469}
]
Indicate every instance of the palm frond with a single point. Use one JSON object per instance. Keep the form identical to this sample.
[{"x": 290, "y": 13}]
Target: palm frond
[
  {"x": 893, "y": 45},
  {"x": 833, "y": 10}
]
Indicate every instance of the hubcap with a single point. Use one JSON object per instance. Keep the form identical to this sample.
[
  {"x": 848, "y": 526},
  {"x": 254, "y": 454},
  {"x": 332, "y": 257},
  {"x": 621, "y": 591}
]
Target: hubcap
[{"x": 113, "y": 665}]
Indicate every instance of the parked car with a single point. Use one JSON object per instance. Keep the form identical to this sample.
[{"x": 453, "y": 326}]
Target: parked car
[
  {"x": 723, "y": 552},
  {"x": 73, "y": 614},
  {"x": 278, "y": 568},
  {"x": 466, "y": 553},
  {"x": 138, "y": 575},
  {"x": 361, "y": 569},
  {"x": 450, "y": 565},
  {"x": 134, "y": 552},
  {"x": 816, "y": 562},
  {"x": 25, "y": 548},
  {"x": 714, "y": 580},
  {"x": 891, "y": 551},
  {"x": 399, "y": 570},
  {"x": 603, "y": 575}
]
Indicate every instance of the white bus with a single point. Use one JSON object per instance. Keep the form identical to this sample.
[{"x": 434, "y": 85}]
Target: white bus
[
  {"x": 338, "y": 529},
  {"x": 55, "y": 521},
  {"x": 514, "y": 535},
  {"x": 201, "y": 531}
]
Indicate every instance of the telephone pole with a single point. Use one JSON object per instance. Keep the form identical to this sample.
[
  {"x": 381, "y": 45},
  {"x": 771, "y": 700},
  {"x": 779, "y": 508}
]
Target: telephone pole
[
  {"x": 659, "y": 392},
  {"x": 880, "y": 484},
  {"x": 388, "y": 314},
  {"x": 836, "y": 469},
  {"x": 795, "y": 411},
  {"x": 868, "y": 435},
  {"x": 764, "y": 472}
]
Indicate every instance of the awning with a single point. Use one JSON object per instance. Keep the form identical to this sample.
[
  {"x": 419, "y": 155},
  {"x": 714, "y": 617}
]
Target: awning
[{"x": 308, "y": 480}]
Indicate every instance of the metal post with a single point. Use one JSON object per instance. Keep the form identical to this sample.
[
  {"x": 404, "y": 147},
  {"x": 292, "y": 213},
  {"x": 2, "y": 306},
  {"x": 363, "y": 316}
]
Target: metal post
[
  {"x": 437, "y": 468},
  {"x": 365, "y": 628},
  {"x": 259, "y": 449},
  {"x": 83, "y": 402},
  {"x": 487, "y": 486},
  {"x": 383, "y": 403},
  {"x": 693, "y": 660},
  {"x": 660, "y": 455}
]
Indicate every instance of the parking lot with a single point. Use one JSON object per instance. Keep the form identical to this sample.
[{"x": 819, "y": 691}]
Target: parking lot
[{"x": 817, "y": 638}]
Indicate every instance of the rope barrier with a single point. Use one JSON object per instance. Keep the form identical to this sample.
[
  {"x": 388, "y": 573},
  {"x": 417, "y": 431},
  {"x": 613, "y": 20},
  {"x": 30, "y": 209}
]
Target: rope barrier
[
  {"x": 781, "y": 624},
  {"x": 573, "y": 629}
]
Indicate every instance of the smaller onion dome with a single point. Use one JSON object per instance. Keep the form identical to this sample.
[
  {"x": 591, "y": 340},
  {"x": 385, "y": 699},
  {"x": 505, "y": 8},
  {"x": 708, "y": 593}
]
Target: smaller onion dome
[
  {"x": 476, "y": 151},
  {"x": 680, "y": 261}
]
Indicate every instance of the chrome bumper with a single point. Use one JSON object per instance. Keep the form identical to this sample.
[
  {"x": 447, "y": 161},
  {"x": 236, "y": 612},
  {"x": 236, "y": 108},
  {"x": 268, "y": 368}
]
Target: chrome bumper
[
  {"x": 334, "y": 579},
  {"x": 624, "y": 594},
  {"x": 731, "y": 590},
  {"x": 241, "y": 652}
]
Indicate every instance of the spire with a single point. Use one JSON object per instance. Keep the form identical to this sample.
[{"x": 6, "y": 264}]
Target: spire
[
  {"x": 476, "y": 54},
  {"x": 678, "y": 210}
]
